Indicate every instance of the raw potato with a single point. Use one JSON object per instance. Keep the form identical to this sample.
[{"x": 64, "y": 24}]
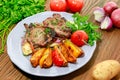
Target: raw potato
[{"x": 106, "y": 70}]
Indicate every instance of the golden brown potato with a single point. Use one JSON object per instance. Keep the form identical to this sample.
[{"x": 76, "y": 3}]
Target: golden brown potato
[
  {"x": 106, "y": 70},
  {"x": 71, "y": 57},
  {"x": 46, "y": 59},
  {"x": 63, "y": 51},
  {"x": 73, "y": 49},
  {"x": 68, "y": 56},
  {"x": 36, "y": 56}
]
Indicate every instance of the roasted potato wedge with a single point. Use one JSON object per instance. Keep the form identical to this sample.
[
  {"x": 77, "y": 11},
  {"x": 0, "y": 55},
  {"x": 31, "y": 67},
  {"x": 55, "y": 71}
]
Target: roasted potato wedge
[
  {"x": 71, "y": 57},
  {"x": 73, "y": 49},
  {"x": 68, "y": 56},
  {"x": 46, "y": 59},
  {"x": 36, "y": 57},
  {"x": 63, "y": 50},
  {"x": 26, "y": 48}
]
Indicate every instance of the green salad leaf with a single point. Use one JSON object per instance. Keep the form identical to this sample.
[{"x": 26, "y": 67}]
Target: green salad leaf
[{"x": 82, "y": 23}]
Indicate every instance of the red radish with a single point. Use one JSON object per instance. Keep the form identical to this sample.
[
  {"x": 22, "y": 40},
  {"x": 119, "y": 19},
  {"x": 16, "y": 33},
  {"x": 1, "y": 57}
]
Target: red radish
[
  {"x": 106, "y": 23},
  {"x": 115, "y": 16},
  {"x": 99, "y": 14},
  {"x": 110, "y": 7},
  {"x": 79, "y": 37}
]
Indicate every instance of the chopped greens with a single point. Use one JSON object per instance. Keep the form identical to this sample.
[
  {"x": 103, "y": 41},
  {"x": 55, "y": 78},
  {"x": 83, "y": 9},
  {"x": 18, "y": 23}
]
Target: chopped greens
[
  {"x": 12, "y": 11},
  {"x": 54, "y": 22},
  {"x": 47, "y": 30},
  {"x": 81, "y": 23}
]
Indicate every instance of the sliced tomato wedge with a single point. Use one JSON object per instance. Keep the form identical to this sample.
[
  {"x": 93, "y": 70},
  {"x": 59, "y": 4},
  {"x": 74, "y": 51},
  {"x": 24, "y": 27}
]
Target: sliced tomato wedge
[{"x": 57, "y": 60}]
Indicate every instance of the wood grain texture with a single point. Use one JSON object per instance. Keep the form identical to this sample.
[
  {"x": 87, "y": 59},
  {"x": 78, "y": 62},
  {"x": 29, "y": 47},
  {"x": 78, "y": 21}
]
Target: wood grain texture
[{"x": 107, "y": 48}]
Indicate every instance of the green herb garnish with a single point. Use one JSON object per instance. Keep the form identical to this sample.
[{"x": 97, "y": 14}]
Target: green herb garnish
[
  {"x": 54, "y": 21},
  {"x": 12, "y": 11},
  {"x": 81, "y": 23},
  {"x": 47, "y": 30}
]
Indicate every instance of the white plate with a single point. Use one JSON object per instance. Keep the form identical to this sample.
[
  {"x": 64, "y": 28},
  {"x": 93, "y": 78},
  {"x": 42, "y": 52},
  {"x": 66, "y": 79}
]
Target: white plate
[{"x": 14, "y": 49}]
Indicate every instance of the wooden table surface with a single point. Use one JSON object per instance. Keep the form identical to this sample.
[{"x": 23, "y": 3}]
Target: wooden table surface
[{"x": 107, "y": 48}]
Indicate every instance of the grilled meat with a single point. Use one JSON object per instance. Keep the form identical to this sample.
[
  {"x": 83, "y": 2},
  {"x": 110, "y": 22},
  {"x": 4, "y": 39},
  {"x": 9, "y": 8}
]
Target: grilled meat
[
  {"x": 52, "y": 27},
  {"x": 58, "y": 23},
  {"x": 37, "y": 35}
]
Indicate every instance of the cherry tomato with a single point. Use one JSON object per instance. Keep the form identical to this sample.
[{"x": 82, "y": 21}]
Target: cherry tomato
[
  {"x": 75, "y": 5},
  {"x": 57, "y": 60},
  {"x": 58, "y": 5},
  {"x": 79, "y": 37}
]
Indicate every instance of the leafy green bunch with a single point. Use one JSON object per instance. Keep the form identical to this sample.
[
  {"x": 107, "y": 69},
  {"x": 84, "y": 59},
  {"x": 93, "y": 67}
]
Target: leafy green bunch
[
  {"x": 82, "y": 23},
  {"x": 12, "y": 11}
]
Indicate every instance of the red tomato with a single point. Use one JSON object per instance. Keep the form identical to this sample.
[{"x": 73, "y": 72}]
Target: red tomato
[
  {"x": 57, "y": 60},
  {"x": 79, "y": 37},
  {"x": 75, "y": 5},
  {"x": 58, "y": 5}
]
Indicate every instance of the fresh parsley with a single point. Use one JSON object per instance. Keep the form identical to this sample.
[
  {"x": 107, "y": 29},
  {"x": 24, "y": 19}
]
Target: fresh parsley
[{"x": 12, "y": 11}]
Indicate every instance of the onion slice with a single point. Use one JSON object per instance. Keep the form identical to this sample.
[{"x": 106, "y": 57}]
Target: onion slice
[
  {"x": 106, "y": 23},
  {"x": 99, "y": 14}
]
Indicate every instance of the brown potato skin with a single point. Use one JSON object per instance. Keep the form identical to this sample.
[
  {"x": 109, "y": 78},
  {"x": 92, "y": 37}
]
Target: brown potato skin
[
  {"x": 106, "y": 70},
  {"x": 67, "y": 54},
  {"x": 36, "y": 57},
  {"x": 46, "y": 59}
]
